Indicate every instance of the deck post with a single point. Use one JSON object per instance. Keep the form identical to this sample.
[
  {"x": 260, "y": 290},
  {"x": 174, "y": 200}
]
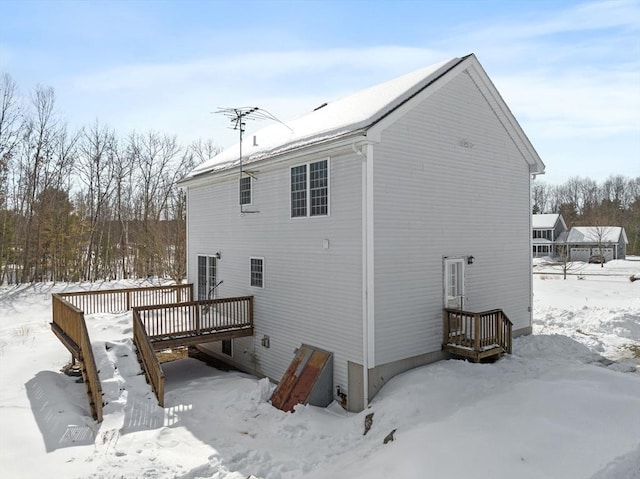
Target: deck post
[
  {"x": 476, "y": 332},
  {"x": 445, "y": 328},
  {"x": 128, "y": 296}
]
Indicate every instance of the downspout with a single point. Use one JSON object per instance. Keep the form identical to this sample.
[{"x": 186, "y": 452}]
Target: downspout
[
  {"x": 186, "y": 236},
  {"x": 532, "y": 177},
  {"x": 367, "y": 268}
]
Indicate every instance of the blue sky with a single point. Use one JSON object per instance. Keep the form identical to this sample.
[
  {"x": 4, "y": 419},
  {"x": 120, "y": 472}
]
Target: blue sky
[{"x": 570, "y": 71}]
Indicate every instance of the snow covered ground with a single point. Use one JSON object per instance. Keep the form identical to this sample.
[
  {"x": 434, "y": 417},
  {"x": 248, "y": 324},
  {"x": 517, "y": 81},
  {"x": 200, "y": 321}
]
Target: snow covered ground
[{"x": 557, "y": 408}]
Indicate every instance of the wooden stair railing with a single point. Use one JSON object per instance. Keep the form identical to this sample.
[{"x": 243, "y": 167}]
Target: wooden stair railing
[
  {"x": 163, "y": 316},
  {"x": 70, "y": 327},
  {"x": 147, "y": 358}
]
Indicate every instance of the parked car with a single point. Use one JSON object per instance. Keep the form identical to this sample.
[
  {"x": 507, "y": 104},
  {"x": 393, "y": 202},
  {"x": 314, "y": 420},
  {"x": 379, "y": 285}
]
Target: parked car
[{"x": 597, "y": 259}]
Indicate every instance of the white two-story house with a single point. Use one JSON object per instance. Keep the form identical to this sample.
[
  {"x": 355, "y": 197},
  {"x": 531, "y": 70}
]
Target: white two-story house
[
  {"x": 355, "y": 225},
  {"x": 546, "y": 229}
]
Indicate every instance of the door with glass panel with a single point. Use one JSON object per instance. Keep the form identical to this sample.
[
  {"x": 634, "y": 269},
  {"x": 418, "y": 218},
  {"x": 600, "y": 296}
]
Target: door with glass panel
[{"x": 454, "y": 283}]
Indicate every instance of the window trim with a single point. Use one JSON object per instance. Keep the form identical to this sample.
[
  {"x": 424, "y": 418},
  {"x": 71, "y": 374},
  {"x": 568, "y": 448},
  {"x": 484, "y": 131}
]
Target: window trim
[
  {"x": 262, "y": 278},
  {"x": 245, "y": 177},
  {"x": 307, "y": 190}
]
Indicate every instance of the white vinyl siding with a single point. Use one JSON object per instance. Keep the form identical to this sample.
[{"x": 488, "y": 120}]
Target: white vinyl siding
[
  {"x": 312, "y": 294},
  {"x": 448, "y": 182}
]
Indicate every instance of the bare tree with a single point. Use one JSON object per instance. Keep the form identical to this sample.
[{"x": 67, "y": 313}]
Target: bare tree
[
  {"x": 565, "y": 264},
  {"x": 95, "y": 170},
  {"x": 203, "y": 150},
  {"x": 159, "y": 162},
  {"x": 540, "y": 193},
  {"x": 10, "y": 129},
  {"x": 600, "y": 234}
]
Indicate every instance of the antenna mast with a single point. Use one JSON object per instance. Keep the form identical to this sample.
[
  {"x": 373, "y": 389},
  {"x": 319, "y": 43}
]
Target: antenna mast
[{"x": 238, "y": 117}]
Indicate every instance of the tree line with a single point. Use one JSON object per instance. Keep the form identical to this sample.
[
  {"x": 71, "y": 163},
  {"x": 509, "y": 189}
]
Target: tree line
[
  {"x": 86, "y": 204},
  {"x": 584, "y": 202}
]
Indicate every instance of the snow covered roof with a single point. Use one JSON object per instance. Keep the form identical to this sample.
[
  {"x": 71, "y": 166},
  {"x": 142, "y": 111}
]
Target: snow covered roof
[
  {"x": 353, "y": 114},
  {"x": 333, "y": 120},
  {"x": 596, "y": 234},
  {"x": 544, "y": 221}
]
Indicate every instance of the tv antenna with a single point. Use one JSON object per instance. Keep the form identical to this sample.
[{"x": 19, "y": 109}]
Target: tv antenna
[{"x": 238, "y": 117}]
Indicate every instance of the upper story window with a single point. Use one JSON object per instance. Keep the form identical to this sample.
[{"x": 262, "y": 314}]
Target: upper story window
[
  {"x": 245, "y": 190},
  {"x": 310, "y": 189}
]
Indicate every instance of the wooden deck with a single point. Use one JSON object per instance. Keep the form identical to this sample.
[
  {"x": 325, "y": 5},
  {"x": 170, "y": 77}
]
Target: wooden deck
[
  {"x": 196, "y": 322},
  {"x": 477, "y": 336},
  {"x": 163, "y": 317}
]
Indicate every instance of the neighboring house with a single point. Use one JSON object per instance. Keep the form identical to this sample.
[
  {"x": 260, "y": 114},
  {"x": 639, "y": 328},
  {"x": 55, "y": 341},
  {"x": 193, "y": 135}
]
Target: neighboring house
[
  {"x": 582, "y": 242},
  {"x": 355, "y": 225},
  {"x": 546, "y": 228}
]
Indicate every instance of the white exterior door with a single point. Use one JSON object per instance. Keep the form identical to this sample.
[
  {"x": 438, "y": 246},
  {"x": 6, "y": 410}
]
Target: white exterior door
[{"x": 454, "y": 283}]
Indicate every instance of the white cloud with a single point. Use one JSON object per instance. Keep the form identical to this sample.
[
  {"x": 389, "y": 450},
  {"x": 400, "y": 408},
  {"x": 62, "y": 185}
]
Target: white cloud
[
  {"x": 572, "y": 74},
  {"x": 257, "y": 66}
]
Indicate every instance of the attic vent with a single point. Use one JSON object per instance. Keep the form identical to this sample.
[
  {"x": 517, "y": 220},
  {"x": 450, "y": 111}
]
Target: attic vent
[{"x": 321, "y": 106}]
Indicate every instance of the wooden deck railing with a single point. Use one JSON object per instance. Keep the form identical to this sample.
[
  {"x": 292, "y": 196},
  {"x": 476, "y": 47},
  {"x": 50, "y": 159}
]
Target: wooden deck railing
[
  {"x": 163, "y": 316},
  {"x": 69, "y": 325},
  {"x": 147, "y": 355},
  {"x": 196, "y": 317},
  {"x": 119, "y": 300},
  {"x": 479, "y": 332}
]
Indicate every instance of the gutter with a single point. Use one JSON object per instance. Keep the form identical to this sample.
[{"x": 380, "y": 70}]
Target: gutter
[{"x": 231, "y": 168}]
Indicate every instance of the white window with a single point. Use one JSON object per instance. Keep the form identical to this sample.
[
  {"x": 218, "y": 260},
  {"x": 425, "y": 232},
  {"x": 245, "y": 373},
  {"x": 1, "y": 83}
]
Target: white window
[
  {"x": 206, "y": 276},
  {"x": 310, "y": 189},
  {"x": 257, "y": 272},
  {"x": 245, "y": 190}
]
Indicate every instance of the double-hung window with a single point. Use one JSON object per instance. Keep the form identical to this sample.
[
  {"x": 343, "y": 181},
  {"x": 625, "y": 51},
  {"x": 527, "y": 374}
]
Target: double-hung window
[
  {"x": 310, "y": 189},
  {"x": 257, "y": 272},
  {"x": 245, "y": 190}
]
